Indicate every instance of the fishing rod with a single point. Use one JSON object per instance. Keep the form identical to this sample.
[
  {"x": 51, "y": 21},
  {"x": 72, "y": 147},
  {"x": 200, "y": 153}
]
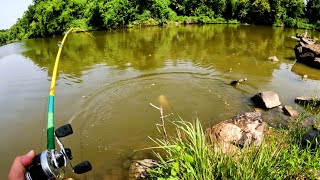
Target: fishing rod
[{"x": 50, "y": 163}]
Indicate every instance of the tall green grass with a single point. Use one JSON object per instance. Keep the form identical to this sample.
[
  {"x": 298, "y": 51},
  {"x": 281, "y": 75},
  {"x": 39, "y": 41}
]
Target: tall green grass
[{"x": 189, "y": 156}]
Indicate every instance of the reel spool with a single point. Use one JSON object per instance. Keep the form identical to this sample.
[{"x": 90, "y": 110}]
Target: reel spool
[{"x": 50, "y": 163}]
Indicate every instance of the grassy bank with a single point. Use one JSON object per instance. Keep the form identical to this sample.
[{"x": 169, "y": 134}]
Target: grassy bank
[{"x": 189, "y": 156}]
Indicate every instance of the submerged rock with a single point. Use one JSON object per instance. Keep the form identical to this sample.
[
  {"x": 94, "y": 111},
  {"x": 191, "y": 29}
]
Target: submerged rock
[
  {"x": 138, "y": 169},
  {"x": 273, "y": 59},
  {"x": 240, "y": 131},
  {"x": 267, "y": 99},
  {"x": 236, "y": 82},
  {"x": 308, "y": 101},
  {"x": 289, "y": 111}
]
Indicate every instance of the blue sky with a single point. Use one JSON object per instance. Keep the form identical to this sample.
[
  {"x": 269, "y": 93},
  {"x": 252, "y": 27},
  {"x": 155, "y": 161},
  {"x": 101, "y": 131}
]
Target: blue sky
[{"x": 11, "y": 10}]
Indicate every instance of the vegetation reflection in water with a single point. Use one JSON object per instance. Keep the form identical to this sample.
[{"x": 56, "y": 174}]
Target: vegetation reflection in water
[
  {"x": 218, "y": 46},
  {"x": 215, "y": 48}
]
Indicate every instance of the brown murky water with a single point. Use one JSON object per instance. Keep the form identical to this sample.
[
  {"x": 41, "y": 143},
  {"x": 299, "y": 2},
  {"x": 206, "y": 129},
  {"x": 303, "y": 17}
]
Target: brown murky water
[{"x": 107, "y": 81}]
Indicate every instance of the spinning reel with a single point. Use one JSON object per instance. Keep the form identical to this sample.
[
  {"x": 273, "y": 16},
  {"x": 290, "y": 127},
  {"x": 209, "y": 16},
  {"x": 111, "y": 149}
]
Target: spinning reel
[{"x": 50, "y": 163}]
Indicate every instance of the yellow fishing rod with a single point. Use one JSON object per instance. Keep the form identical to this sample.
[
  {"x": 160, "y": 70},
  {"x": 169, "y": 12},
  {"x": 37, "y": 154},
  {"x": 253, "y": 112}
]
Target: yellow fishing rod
[
  {"x": 50, "y": 163},
  {"x": 50, "y": 125}
]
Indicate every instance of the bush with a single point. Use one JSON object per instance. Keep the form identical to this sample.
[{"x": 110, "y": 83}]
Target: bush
[
  {"x": 219, "y": 20},
  {"x": 304, "y": 24},
  {"x": 204, "y": 11},
  {"x": 278, "y": 23},
  {"x": 3, "y": 37},
  {"x": 79, "y": 23},
  {"x": 161, "y": 10},
  {"x": 317, "y": 25},
  {"x": 118, "y": 13},
  {"x": 233, "y": 21},
  {"x": 290, "y": 22}
]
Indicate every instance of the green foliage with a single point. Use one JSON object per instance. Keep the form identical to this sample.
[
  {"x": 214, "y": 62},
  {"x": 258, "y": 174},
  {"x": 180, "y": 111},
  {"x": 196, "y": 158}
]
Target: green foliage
[
  {"x": 202, "y": 11},
  {"x": 317, "y": 25},
  {"x": 242, "y": 10},
  {"x": 260, "y": 12},
  {"x": 190, "y": 156},
  {"x": 3, "y": 37},
  {"x": 118, "y": 13},
  {"x": 313, "y": 10},
  {"x": 50, "y": 17},
  {"x": 160, "y": 10}
]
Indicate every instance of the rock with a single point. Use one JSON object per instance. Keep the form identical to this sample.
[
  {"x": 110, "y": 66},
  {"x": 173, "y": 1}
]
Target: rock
[
  {"x": 289, "y": 111},
  {"x": 267, "y": 99},
  {"x": 240, "y": 131},
  {"x": 280, "y": 109},
  {"x": 128, "y": 64},
  {"x": 236, "y": 82},
  {"x": 273, "y": 59},
  {"x": 310, "y": 138},
  {"x": 308, "y": 53},
  {"x": 258, "y": 110},
  {"x": 305, "y": 77},
  {"x": 138, "y": 169},
  {"x": 310, "y": 101}
]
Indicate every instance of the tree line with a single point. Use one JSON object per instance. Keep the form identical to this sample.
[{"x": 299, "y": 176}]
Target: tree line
[{"x": 50, "y": 17}]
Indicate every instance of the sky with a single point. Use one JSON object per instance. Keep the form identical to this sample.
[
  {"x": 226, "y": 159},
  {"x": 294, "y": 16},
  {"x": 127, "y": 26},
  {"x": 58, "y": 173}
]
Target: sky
[{"x": 11, "y": 10}]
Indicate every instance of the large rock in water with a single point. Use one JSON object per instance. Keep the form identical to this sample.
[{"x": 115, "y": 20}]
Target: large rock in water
[
  {"x": 308, "y": 52},
  {"x": 240, "y": 131},
  {"x": 267, "y": 99}
]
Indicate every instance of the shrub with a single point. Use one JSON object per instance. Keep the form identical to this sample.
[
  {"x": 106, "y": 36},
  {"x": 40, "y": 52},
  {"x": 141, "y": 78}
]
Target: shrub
[
  {"x": 78, "y": 23},
  {"x": 118, "y": 13},
  {"x": 161, "y": 10},
  {"x": 317, "y": 25},
  {"x": 290, "y": 22}
]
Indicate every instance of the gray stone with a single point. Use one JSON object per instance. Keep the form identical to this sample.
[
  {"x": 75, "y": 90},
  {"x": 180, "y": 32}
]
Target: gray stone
[
  {"x": 240, "y": 131},
  {"x": 289, "y": 111},
  {"x": 273, "y": 59},
  {"x": 138, "y": 169},
  {"x": 267, "y": 99}
]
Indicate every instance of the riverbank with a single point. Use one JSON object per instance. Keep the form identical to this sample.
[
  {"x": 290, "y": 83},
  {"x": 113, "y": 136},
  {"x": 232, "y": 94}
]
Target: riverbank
[
  {"x": 192, "y": 153},
  {"x": 243, "y": 147}
]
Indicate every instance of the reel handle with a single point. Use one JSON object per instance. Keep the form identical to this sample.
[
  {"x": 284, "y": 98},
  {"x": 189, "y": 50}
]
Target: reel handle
[{"x": 82, "y": 167}]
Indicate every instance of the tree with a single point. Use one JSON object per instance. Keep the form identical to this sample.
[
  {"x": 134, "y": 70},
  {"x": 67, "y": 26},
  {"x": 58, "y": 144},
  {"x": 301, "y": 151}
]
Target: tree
[
  {"x": 260, "y": 12},
  {"x": 118, "y": 13},
  {"x": 313, "y": 10},
  {"x": 231, "y": 6}
]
